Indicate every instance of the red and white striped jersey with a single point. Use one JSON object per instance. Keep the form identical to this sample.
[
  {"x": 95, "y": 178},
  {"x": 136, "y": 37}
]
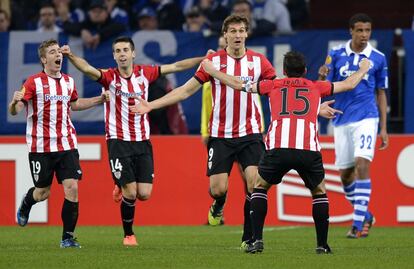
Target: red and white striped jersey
[
  {"x": 236, "y": 113},
  {"x": 294, "y": 105},
  {"x": 120, "y": 123},
  {"x": 49, "y": 128}
]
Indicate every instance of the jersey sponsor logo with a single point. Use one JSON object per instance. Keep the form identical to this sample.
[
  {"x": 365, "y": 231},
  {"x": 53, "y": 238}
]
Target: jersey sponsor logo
[
  {"x": 128, "y": 94},
  {"x": 55, "y": 97},
  {"x": 245, "y": 78},
  {"x": 45, "y": 86},
  {"x": 345, "y": 72}
]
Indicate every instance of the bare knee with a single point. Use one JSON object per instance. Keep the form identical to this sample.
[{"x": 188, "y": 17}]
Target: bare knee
[
  {"x": 362, "y": 168},
  {"x": 144, "y": 191},
  {"x": 320, "y": 189},
  {"x": 41, "y": 194},
  {"x": 70, "y": 187}
]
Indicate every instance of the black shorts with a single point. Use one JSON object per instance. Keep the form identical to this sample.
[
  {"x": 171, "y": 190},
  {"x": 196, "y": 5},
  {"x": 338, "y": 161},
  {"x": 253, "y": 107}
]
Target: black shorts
[
  {"x": 130, "y": 161},
  {"x": 276, "y": 163},
  {"x": 223, "y": 152},
  {"x": 44, "y": 165}
]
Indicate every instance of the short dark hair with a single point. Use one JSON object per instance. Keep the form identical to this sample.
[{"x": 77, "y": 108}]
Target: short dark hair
[
  {"x": 234, "y": 19},
  {"x": 126, "y": 39},
  {"x": 359, "y": 17},
  {"x": 294, "y": 64}
]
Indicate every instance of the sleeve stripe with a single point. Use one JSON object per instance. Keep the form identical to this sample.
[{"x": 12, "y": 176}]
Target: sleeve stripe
[{"x": 199, "y": 80}]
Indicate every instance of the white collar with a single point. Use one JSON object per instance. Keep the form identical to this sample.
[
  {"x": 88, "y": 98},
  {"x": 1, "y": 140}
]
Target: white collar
[{"x": 367, "y": 51}]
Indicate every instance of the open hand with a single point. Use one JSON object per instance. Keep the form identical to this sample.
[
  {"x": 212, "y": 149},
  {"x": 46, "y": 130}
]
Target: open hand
[
  {"x": 140, "y": 107},
  {"x": 328, "y": 112}
]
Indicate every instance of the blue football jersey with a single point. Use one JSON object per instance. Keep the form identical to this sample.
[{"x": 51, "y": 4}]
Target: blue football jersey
[{"x": 359, "y": 103}]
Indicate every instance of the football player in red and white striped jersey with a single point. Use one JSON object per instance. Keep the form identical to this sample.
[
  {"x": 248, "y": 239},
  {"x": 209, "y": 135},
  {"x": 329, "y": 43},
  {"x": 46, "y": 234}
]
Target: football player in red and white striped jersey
[
  {"x": 236, "y": 120},
  {"x": 48, "y": 97},
  {"x": 127, "y": 134},
  {"x": 292, "y": 138}
]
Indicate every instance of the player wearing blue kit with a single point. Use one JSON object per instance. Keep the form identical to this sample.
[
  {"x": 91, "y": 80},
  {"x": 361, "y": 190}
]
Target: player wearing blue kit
[{"x": 355, "y": 130}]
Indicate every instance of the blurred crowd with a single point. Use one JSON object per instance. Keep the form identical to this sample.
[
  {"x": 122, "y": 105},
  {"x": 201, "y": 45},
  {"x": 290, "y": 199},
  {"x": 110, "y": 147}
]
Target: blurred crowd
[{"x": 97, "y": 20}]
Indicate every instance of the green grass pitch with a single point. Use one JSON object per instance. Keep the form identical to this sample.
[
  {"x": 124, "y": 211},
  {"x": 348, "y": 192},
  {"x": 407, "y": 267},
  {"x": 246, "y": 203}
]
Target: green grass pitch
[{"x": 203, "y": 247}]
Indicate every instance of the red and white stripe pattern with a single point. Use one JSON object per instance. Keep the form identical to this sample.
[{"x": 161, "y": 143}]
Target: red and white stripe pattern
[
  {"x": 293, "y": 133},
  {"x": 49, "y": 127},
  {"x": 120, "y": 123},
  {"x": 288, "y": 129},
  {"x": 236, "y": 113}
]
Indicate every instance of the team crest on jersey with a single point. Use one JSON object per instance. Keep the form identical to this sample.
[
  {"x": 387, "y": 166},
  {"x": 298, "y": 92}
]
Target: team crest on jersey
[
  {"x": 328, "y": 59},
  {"x": 117, "y": 174},
  {"x": 118, "y": 84},
  {"x": 140, "y": 80},
  {"x": 250, "y": 65},
  {"x": 36, "y": 177},
  {"x": 45, "y": 86},
  {"x": 210, "y": 164}
]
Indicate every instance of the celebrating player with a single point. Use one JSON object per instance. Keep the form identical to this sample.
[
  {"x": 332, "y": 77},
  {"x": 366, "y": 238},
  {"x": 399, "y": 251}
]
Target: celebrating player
[
  {"x": 48, "y": 96},
  {"x": 127, "y": 134},
  {"x": 292, "y": 138}
]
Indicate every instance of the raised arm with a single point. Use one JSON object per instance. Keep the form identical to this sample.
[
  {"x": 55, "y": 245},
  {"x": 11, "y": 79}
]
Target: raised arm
[
  {"x": 180, "y": 65},
  {"x": 86, "y": 103},
  {"x": 183, "y": 65},
  {"x": 174, "y": 96},
  {"x": 81, "y": 64},
  {"x": 352, "y": 81}
]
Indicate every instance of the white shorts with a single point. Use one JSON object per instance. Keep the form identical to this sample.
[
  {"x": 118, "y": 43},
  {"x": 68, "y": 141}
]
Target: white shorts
[{"x": 355, "y": 139}]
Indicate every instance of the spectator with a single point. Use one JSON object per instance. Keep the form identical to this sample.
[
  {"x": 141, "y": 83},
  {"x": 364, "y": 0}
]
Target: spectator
[
  {"x": 4, "y": 21},
  {"x": 215, "y": 13},
  {"x": 117, "y": 14},
  {"x": 271, "y": 15},
  {"x": 47, "y": 19},
  {"x": 169, "y": 13},
  {"x": 66, "y": 13},
  {"x": 99, "y": 26},
  {"x": 299, "y": 13},
  {"x": 244, "y": 8},
  {"x": 195, "y": 21},
  {"x": 147, "y": 19}
]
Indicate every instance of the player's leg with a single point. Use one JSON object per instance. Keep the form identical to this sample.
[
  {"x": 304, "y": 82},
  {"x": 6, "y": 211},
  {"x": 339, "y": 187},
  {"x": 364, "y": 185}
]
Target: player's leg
[
  {"x": 121, "y": 163},
  {"x": 41, "y": 169},
  {"x": 258, "y": 212},
  {"x": 68, "y": 173},
  {"x": 344, "y": 159},
  {"x": 129, "y": 196},
  {"x": 320, "y": 214},
  {"x": 365, "y": 133},
  {"x": 249, "y": 157},
  {"x": 272, "y": 167},
  {"x": 218, "y": 191},
  {"x": 219, "y": 164},
  {"x": 309, "y": 165}
]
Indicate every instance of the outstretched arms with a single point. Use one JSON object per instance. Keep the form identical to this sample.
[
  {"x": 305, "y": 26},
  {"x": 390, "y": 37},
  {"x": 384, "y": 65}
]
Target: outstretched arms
[
  {"x": 86, "y": 103},
  {"x": 81, "y": 64},
  {"x": 182, "y": 65},
  {"x": 174, "y": 96}
]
